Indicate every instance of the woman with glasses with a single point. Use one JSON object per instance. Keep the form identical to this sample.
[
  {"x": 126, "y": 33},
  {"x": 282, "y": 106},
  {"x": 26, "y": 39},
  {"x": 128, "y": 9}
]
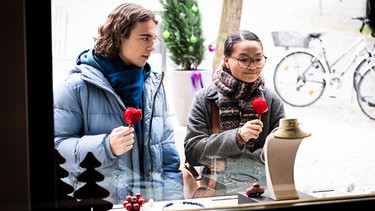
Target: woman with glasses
[
  {"x": 89, "y": 105},
  {"x": 235, "y": 150}
]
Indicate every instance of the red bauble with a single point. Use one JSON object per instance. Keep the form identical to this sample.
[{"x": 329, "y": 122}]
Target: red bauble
[
  {"x": 128, "y": 198},
  {"x": 125, "y": 203},
  {"x": 255, "y": 190},
  {"x": 141, "y": 201},
  {"x": 134, "y": 199},
  {"x": 128, "y": 206},
  {"x": 136, "y": 206},
  {"x": 134, "y": 203}
]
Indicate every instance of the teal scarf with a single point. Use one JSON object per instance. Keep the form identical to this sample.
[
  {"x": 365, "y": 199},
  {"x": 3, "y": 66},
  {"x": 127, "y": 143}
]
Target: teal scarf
[{"x": 127, "y": 81}]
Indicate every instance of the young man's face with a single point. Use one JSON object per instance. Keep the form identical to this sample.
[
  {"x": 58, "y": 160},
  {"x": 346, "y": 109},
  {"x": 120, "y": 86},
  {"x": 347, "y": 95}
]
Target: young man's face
[{"x": 138, "y": 47}]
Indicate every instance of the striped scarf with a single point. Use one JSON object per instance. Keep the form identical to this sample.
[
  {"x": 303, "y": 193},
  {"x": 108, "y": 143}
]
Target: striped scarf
[{"x": 235, "y": 98}]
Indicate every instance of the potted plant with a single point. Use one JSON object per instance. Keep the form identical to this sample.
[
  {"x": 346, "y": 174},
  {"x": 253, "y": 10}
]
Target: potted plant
[
  {"x": 184, "y": 41},
  {"x": 182, "y": 32}
]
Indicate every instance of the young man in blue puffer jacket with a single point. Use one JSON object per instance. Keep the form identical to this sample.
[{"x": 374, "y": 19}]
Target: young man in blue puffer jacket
[{"x": 89, "y": 106}]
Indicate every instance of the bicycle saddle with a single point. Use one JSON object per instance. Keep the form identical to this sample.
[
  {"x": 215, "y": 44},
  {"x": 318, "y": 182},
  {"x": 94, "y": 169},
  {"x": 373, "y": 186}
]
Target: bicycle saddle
[{"x": 315, "y": 35}]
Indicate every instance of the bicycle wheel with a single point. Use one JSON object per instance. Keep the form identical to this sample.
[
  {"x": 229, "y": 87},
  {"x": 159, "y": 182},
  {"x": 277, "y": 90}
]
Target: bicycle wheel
[
  {"x": 363, "y": 66},
  {"x": 299, "y": 79},
  {"x": 366, "y": 93}
]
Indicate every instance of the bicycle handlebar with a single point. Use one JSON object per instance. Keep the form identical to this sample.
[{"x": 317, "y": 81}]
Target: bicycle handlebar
[{"x": 364, "y": 20}]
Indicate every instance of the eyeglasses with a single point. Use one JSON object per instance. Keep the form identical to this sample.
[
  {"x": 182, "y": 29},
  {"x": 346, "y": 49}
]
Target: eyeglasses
[
  {"x": 245, "y": 62},
  {"x": 155, "y": 42}
]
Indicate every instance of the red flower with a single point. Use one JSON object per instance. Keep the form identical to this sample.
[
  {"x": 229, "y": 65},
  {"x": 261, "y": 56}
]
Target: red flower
[
  {"x": 260, "y": 106},
  {"x": 132, "y": 115}
]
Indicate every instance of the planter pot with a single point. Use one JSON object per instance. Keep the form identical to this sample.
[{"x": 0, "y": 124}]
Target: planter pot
[{"x": 183, "y": 84}]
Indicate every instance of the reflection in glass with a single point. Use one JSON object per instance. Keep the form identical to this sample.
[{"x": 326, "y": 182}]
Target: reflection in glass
[{"x": 336, "y": 160}]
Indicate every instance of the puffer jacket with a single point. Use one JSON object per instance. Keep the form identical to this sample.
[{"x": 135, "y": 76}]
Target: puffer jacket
[{"x": 87, "y": 109}]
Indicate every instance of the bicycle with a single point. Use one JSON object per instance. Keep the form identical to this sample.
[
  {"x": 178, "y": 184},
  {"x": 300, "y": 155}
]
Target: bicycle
[
  {"x": 300, "y": 78},
  {"x": 366, "y": 91}
]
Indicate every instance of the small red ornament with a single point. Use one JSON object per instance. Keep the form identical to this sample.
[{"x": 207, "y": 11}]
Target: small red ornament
[
  {"x": 134, "y": 203},
  {"x": 128, "y": 198},
  {"x": 141, "y": 201},
  {"x": 125, "y": 203},
  {"x": 128, "y": 206},
  {"x": 132, "y": 115},
  {"x": 134, "y": 199},
  {"x": 260, "y": 106},
  {"x": 255, "y": 190},
  {"x": 136, "y": 206},
  {"x": 138, "y": 195}
]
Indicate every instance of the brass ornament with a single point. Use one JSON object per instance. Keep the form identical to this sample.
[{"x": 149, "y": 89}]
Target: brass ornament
[{"x": 289, "y": 129}]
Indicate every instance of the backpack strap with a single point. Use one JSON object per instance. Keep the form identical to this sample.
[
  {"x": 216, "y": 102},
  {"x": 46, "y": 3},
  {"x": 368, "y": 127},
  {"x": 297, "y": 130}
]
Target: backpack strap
[
  {"x": 210, "y": 190},
  {"x": 215, "y": 117},
  {"x": 215, "y": 129}
]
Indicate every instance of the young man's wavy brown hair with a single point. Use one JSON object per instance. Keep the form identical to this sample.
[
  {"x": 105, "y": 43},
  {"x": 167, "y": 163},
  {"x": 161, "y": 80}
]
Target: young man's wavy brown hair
[{"x": 119, "y": 24}]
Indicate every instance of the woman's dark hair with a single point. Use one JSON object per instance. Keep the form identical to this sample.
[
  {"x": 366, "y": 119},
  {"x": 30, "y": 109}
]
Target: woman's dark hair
[
  {"x": 119, "y": 24},
  {"x": 237, "y": 37}
]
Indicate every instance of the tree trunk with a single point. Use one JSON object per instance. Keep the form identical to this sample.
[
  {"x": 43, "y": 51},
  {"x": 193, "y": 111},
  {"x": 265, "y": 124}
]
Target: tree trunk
[{"x": 229, "y": 23}]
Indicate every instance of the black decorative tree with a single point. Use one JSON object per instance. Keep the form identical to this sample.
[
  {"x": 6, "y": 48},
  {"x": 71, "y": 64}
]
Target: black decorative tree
[
  {"x": 64, "y": 201},
  {"x": 182, "y": 32},
  {"x": 91, "y": 194}
]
